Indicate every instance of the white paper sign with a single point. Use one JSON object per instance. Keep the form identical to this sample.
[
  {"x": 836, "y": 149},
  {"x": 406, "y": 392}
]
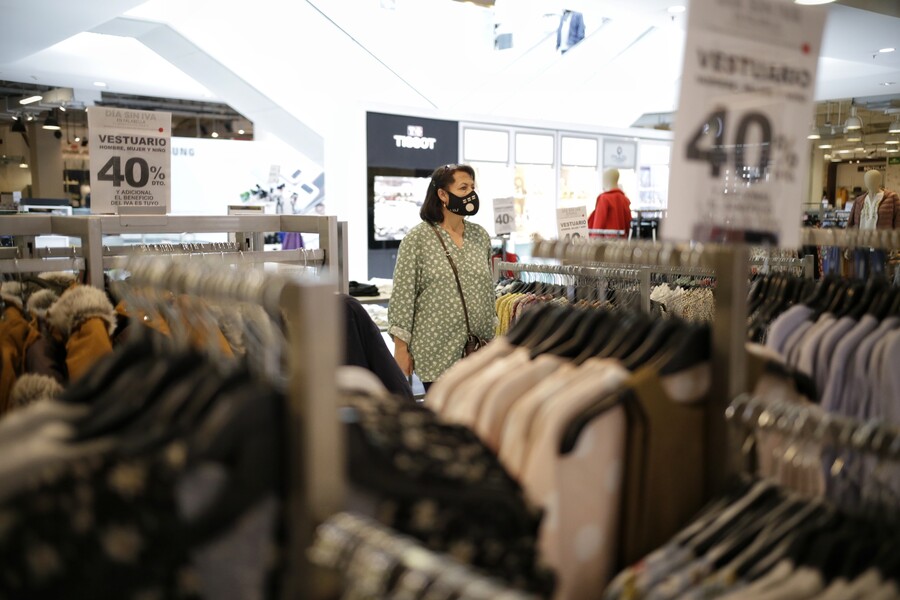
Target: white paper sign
[
  {"x": 740, "y": 160},
  {"x": 274, "y": 174},
  {"x": 504, "y": 216},
  {"x": 131, "y": 157},
  {"x": 572, "y": 223},
  {"x": 619, "y": 154}
]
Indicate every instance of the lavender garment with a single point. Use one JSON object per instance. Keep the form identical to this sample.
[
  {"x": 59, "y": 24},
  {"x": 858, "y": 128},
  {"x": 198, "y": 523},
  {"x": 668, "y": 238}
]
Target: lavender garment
[
  {"x": 291, "y": 240},
  {"x": 825, "y": 350},
  {"x": 839, "y": 366},
  {"x": 786, "y": 323}
]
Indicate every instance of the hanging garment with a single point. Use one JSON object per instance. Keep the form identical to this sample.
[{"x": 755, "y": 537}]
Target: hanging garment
[{"x": 611, "y": 211}]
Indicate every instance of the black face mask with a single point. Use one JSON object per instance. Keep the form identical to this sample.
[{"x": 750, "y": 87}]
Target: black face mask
[{"x": 463, "y": 205}]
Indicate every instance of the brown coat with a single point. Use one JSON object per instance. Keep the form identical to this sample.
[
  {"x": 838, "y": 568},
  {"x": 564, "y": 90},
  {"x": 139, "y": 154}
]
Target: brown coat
[{"x": 888, "y": 212}]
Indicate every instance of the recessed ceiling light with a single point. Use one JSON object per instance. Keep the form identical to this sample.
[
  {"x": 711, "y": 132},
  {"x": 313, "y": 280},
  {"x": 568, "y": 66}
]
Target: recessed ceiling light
[
  {"x": 812, "y": 2},
  {"x": 240, "y": 132},
  {"x": 676, "y": 9},
  {"x": 31, "y": 99},
  {"x": 215, "y": 134},
  {"x": 77, "y": 138},
  {"x": 100, "y": 83},
  {"x": 887, "y": 83},
  {"x": 886, "y": 50}
]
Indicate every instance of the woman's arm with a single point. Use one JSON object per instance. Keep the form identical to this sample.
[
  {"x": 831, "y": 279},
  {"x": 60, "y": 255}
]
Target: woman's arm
[{"x": 401, "y": 309}]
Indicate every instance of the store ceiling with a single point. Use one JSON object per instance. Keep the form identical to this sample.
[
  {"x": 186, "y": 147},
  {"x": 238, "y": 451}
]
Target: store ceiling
[{"x": 427, "y": 55}]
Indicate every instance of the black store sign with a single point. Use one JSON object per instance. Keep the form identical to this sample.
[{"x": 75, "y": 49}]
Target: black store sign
[{"x": 410, "y": 142}]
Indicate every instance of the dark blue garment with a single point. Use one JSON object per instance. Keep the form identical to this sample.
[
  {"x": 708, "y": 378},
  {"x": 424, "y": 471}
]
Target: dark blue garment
[
  {"x": 364, "y": 347},
  {"x": 576, "y": 30}
]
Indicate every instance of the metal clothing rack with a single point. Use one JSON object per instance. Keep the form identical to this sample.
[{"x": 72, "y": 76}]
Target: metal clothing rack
[
  {"x": 806, "y": 264},
  {"x": 247, "y": 230},
  {"x": 809, "y": 422},
  {"x": 729, "y": 264},
  {"x": 381, "y": 563},
  {"x": 884, "y": 239},
  {"x": 315, "y": 445}
]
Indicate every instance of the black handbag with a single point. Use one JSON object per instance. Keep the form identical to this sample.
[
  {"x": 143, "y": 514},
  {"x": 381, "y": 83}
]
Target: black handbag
[{"x": 473, "y": 342}]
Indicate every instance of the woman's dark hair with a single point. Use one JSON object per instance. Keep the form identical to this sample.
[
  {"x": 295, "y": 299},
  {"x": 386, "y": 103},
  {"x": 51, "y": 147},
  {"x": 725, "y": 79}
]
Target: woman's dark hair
[{"x": 432, "y": 209}]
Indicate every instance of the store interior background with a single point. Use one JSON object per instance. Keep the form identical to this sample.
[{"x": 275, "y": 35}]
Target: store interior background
[{"x": 300, "y": 78}]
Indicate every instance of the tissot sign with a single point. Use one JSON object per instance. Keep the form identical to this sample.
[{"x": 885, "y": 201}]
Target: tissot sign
[{"x": 410, "y": 142}]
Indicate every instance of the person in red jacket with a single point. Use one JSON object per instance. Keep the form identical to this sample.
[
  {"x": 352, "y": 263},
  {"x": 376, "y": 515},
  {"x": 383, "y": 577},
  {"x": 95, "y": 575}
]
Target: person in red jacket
[{"x": 613, "y": 209}]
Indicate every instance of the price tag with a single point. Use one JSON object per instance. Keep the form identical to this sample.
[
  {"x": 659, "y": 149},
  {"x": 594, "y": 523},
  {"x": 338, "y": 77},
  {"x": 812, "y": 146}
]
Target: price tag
[
  {"x": 571, "y": 223},
  {"x": 504, "y": 216},
  {"x": 131, "y": 158},
  {"x": 740, "y": 160}
]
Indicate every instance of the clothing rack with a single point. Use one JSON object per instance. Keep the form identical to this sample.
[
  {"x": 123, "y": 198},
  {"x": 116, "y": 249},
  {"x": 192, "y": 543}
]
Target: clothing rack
[
  {"x": 811, "y": 423},
  {"x": 729, "y": 264},
  {"x": 315, "y": 443},
  {"x": 247, "y": 247},
  {"x": 371, "y": 554},
  {"x": 884, "y": 239}
]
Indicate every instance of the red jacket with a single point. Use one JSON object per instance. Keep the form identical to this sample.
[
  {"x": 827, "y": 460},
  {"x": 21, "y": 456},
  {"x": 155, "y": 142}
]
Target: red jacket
[{"x": 613, "y": 211}]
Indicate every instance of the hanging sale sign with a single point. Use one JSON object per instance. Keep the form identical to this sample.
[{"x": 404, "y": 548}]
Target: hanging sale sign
[
  {"x": 504, "y": 216},
  {"x": 571, "y": 223},
  {"x": 131, "y": 158},
  {"x": 741, "y": 157}
]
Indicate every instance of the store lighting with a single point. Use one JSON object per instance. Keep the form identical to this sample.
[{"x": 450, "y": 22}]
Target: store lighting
[
  {"x": 31, "y": 99},
  {"x": 845, "y": 151},
  {"x": 854, "y": 136},
  {"x": 893, "y": 150},
  {"x": 886, "y": 50},
  {"x": 827, "y": 157},
  {"x": 853, "y": 122},
  {"x": 892, "y": 141},
  {"x": 51, "y": 123},
  {"x": 887, "y": 83},
  {"x": 676, "y": 9},
  {"x": 77, "y": 139},
  {"x": 895, "y": 126},
  {"x": 240, "y": 132},
  {"x": 23, "y": 165},
  {"x": 29, "y": 118},
  {"x": 215, "y": 134},
  {"x": 859, "y": 149},
  {"x": 824, "y": 145},
  {"x": 100, "y": 83},
  {"x": 812, "y": 2},
  {"x": 813, "y": 133},
  {"x": 835, "y": 159},
  {"x": 62, "y": 107},
  {"x": 18, "y": 126}
]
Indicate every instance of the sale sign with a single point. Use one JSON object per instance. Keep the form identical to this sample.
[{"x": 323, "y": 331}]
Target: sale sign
[
  {"x": 131, "y": 159},
  {"x": 740, "y": 161},
  {"x": 504, "y": 216}
]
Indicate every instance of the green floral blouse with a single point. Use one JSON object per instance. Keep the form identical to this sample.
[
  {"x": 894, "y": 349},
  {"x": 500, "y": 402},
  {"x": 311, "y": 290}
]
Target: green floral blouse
[{"x": 425, "y": 310}]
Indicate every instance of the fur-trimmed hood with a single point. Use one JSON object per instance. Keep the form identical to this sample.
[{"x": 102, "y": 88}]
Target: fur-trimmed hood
[
  {"x": 32, "y": 387},
  {"x": 11, "y": 292},
  {"x": 40, "y": 302},
  {"x": 79, "y": 304}
]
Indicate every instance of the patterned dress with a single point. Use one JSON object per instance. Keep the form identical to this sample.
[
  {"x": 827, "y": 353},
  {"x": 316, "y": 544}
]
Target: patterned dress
[{"x": 425, "y": 309}]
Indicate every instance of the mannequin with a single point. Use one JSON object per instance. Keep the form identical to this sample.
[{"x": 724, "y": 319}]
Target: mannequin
[
  {"x": 878, "y": 208},
  {"x": 570, "y": 30},
  {"x": 613, "y": 208}
]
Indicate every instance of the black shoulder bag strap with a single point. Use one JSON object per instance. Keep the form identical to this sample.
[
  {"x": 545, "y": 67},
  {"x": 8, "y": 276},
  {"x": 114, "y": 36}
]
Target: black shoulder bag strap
[{"x": 456, "y": 275}]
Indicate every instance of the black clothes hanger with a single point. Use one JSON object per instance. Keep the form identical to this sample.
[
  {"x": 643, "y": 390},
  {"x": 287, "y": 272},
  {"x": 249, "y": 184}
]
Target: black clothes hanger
[
  {"x": 528, "y": 322},
  {"x": 655, "y": 341},
  {"x": 626, "y": 338},
  {"x": 561, "y": 334},
  {"x": 851, "y": 298},
  {"x": 870, "y": 292},
  {"x": 586, "y": 331},
  {"x": 600, "y": 338},
  {"x": 688, "y": 350},
  {"x": 545, "y": 327}
]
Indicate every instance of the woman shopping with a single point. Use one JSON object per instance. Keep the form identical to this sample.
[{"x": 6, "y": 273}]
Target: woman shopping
[{"x": 443, "y": 290}]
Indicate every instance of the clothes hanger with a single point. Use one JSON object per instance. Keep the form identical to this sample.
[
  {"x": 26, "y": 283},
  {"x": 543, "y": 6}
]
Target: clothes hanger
[
  {"x": 585, "y": 331},
  {"x": 655, "y": 341},
  {"x": 528, "y": 322},
  {"x": 601, "y": 337},
  {"x": 562, "y": 333},
  {"x": 545, "y": 327}
]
